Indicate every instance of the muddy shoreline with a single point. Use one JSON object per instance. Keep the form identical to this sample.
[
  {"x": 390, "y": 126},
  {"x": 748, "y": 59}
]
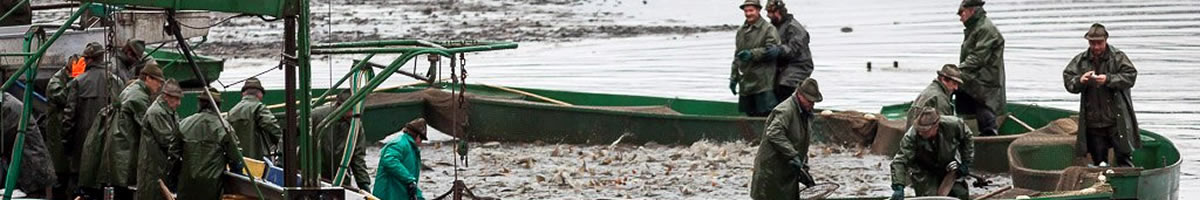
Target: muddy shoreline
[{"x": 702, "y": 170}]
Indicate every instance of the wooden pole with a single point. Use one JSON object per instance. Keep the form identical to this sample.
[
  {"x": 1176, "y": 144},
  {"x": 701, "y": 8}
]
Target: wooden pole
[{"x": 543, "y": 98}]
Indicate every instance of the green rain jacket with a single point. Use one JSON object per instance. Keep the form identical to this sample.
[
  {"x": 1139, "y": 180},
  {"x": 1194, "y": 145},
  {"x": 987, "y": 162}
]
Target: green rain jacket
[
  {"x": 399, "y": 166},
  {"x": 757, "y": 75},
  {"x": 1121, "y": 77},
  {"x": 333, "y": 143},
  {"x": 159, "y": 145},
  {"x": 921, "y": 163},
  {"x": 981, "y": 60},
  {"x": 119, "y": 166},
  {"x": 934, "y": 96},
  {"x": 787, "y": 136},
  {"x": 93, "y": 108},
  {"x": 207, "y": 149},
  {"x": 53, "y": 124},
  {"x": 256, "y": 129}
]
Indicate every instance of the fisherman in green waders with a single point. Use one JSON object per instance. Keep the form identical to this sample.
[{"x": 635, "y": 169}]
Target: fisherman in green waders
[
  {"x": 160, "y": 147},
  {"x": 208, "y": 148},
  {"x": 937, "y": 94},
  {"x": 333, "y": 144},
  {"x": 937, "y": 148},
  {"x": 255, "y": 125},
  {"x": 781, "y": 164},
  {"x": 981, "y": 60},
  {"x": 400, "y": 164},
  {"x": 754, "y": 62},
  {"x": 118, "y": 169},
  {"x": 1102, "y": 76}
]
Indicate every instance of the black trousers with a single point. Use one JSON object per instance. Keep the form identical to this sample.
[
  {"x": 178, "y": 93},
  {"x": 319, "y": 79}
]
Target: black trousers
[
  {"x": 984, "y": 117},
  {"x": 1099, "y": 140}
]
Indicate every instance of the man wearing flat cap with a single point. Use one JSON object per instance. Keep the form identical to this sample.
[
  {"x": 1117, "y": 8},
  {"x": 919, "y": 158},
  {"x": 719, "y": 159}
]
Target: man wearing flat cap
[
  {"x": 937, "y": 147},
  {"x": 400, "y": 164},
  {"x": 121, "y": 147},
  {"x": 782, "y": 161},
  {"x": 981, "y": 61},
  {"x": 254, "y": 124},
  {"x": 937, "y": 94},
  {"x": 1102, "y": 76},
  {"x": 752, "y": 76}
]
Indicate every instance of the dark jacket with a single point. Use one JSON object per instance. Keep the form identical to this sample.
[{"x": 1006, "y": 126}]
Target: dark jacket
[
  {"x": 37, "y": 168},
  {"x": 207, "y": 150},
  {"x": 924, "y": 161},
  {"x": 87, "y": 95},
  {"x": 787, "y": 136},
  {"x": 1121, "y": 77},
  {"x": 758, "y": 74},
  {"x": 159, "y": 144},
  {"x": 934, "y": 96},
  {"x": 795, "y": 63},
  {"x": 981, "y": 60},
  {"x": 255, "y": 126}
]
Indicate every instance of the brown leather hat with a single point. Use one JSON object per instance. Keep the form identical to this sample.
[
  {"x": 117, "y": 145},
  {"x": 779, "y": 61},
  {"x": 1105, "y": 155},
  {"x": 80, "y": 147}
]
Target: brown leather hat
[
  {"x": 1097, "y": 32},
  {"x": 417, "y": 127}
]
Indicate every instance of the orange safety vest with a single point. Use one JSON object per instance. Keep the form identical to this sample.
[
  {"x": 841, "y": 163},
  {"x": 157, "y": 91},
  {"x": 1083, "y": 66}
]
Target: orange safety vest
[{"x": 78, "y": 67}]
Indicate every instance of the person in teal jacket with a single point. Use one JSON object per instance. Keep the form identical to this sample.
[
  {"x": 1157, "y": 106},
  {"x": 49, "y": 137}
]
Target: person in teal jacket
[{"x": 400, "y": 165}]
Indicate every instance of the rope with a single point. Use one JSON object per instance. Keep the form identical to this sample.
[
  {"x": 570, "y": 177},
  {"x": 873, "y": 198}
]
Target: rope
[{"x": 254, "y": 76}]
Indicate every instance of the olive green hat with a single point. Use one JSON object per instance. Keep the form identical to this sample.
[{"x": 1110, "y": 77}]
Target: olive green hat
[
  {"x": 253, "y": 83},
  {"x": 171, "y": 88},
  {"x": 810, "y": 91},
  {"x": 216, "y": 96},
  {"x": 750, "y": 3},
  {"x": 93, "y": 50},
  {"x": 928, "y": 118},
  {"x": 951, "y": 71},
  {"x": 417, "y": 127},
  {"x": 151, "y": 70},
  {"x": 1097, "y": 32}
]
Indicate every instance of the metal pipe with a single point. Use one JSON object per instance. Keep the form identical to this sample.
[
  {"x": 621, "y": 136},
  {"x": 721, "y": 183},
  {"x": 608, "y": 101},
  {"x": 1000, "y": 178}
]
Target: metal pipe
[
  {"x": 10, "y": 179},
  {"x": 16, "y": 54},
  {"x": 383, "y": 43},
  {"x": 402, "y": 50},
  {"x": 401, "y": 72},
  {"x": 311, "y": 170},
  {"x": 291, "y": 162},
  {"x": 42, "y": 49},
  {"x": 375, "y": 82},
  {"x": 321, "y": 99}
]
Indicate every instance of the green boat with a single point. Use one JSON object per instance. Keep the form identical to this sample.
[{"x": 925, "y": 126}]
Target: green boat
[
  {"x": 175, "y": 66},
  {"x": 1033, "y": 116},
  {"x": 1037, "y": 167}
]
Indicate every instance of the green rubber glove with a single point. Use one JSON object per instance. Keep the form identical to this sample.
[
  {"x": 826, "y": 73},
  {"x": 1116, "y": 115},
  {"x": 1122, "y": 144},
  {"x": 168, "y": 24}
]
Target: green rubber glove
[
  {"x": 733, "y": 86},
  {"x": 745, "y": 56}
]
